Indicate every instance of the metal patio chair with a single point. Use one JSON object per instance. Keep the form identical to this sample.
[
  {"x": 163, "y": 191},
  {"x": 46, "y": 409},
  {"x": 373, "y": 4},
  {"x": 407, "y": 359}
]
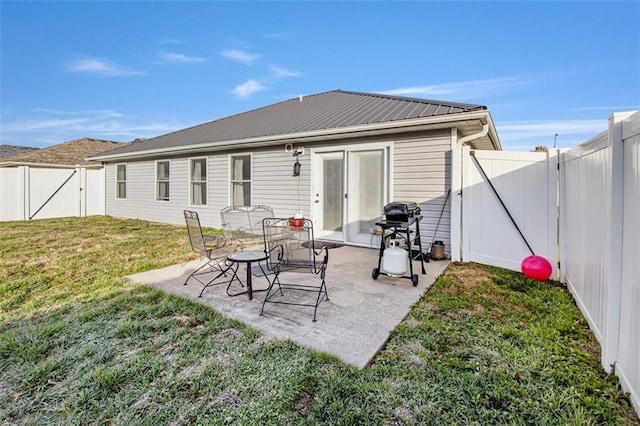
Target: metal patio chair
[
  {"x": 291, "y": 248},
  {"x": 242, "y": 225},
  {"x": 213, "y": 247}
]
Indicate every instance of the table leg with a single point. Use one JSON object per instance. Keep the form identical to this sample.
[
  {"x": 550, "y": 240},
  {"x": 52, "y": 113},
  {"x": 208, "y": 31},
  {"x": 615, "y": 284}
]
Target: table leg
[{"x": 249, "y": 287}]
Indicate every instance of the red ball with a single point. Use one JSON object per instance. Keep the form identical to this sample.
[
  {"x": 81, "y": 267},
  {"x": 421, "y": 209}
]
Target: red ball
[{"x": 536, "y": 267}]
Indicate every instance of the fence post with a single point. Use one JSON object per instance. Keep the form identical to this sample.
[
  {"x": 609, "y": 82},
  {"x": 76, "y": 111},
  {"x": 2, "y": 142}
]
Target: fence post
[
  {"x": 103, "y": 190},
  {"x": 24, "y": 192},
  {"x": 465, "y": 238},
  {"x": 562, "y": 216},
  {"x": 456, "y": 202},
  {"x": 81, "y": 172},
  {"x": 553, "y": 170},
  {"x": 613, "y": 243}
]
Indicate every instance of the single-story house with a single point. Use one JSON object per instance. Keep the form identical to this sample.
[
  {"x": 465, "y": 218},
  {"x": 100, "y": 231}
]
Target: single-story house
[
  {"x": 57, "y": 181},
  {"x": 356, "y": 153},
  {"x": 11, "y": 150}
]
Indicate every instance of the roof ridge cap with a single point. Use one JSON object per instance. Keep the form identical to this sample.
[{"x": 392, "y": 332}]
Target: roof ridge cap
[{"x": 413, "y": 99}]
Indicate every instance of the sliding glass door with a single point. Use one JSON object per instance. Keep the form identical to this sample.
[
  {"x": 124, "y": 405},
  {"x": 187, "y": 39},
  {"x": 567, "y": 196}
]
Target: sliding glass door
[{"x": 349, "y": 192}]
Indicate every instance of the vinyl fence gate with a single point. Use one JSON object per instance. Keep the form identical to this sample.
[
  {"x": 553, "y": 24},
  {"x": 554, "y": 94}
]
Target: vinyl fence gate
[{"x": 38, "y": 193}]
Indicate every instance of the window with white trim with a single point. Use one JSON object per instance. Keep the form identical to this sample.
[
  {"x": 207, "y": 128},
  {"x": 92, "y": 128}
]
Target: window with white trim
[
  {"x": 198, "y": 181},
  {"x": 121, "y": 181},
  {"x": 162, "y": 180},
  {"x": 240, "y": 180}
]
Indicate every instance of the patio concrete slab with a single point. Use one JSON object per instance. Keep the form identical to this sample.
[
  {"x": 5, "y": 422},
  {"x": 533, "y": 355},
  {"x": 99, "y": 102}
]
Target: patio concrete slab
[{"x": 354, "y": 324}]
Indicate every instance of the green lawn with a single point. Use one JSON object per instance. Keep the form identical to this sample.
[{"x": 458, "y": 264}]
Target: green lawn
[{"x": 79, "y": 345}]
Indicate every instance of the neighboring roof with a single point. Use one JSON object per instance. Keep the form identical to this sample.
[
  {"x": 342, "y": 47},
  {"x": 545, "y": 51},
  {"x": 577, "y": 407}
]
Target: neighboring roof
[
  {"x": 65, "y": 154},
  {"x": 317, "y": 114},
  {"x": 11, "y": 150}
]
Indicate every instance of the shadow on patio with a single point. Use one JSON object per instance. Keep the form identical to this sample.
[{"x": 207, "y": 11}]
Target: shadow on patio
[{"x": 353, "y": 325}]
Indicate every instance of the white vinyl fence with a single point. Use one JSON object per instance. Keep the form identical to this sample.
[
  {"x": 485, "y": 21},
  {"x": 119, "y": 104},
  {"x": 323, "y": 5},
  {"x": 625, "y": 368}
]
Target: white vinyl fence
[
  {"x": 38, "y": 193},
  {"x": 594, "y": 195},
  {"x": 500, "y": 184},
  {"x": 600, "y": 238}
]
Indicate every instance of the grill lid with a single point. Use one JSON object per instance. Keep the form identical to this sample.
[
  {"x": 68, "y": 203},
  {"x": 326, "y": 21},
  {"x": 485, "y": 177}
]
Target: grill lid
[{"x": 401, "y": 210}]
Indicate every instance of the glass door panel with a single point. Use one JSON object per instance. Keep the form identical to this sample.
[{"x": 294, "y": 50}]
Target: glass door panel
[
  {"x": 328, "y": 195},
  {"x": 333, "y": 194},
  {"x": 367, "y": 193}
]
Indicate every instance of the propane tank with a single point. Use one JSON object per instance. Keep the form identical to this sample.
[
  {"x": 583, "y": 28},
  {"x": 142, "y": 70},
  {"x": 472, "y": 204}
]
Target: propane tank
[{"x": 395, "y": 258}]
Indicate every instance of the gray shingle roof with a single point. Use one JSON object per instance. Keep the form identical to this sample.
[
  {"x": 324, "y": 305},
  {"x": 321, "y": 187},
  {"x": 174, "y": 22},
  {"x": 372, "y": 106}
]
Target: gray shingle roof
[
  {"x": 323, "y": 111},
  {"x": 11, "y": 150},
  {"x": 67, "y": 153}
]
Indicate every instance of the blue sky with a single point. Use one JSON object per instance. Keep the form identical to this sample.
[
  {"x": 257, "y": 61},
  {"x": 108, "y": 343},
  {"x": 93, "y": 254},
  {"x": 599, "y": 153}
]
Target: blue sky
[{"x": 126, "y": 70}]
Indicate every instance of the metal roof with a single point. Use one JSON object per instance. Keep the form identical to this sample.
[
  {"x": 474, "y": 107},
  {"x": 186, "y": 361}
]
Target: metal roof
[{"x": 314, "y": 113}]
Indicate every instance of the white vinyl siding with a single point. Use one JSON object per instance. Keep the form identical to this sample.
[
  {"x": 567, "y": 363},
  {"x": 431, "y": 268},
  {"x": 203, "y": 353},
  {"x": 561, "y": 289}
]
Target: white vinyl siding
[
  {"x": 121, "y": 181},
  {"x": 198, "y": 181},
  {"x": 422, "y": 173},
  {"x": 274, "y": 185},
  {"x": 240, "y": 179},
  {"x": 141, "y": 200},
  {"x": 419, "y": 172},
  {"x": 163, "y": 179}
]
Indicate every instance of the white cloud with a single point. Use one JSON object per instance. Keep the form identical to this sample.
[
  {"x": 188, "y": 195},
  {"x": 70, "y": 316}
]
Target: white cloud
[
  {"x": 101, "y": 67},
  {"x": 283, "y": 73},
  {"x": 170, "y": 41},
  {"x": 606, "y": 108},
  {"x": 468, "y": 89},
  {"x": 31, "y": 125},
  {"x": 248, "y": 88},
  {"x": 275, "y": 35},
  {"x": 98, "y": 112},
  {"x": 240, "y": 56},
  {"x": 525, "y": 135},
  {"x": 105, "y": 124},
  {"x": 170, "y": 57},
  {"x": 551, "y": 127}
]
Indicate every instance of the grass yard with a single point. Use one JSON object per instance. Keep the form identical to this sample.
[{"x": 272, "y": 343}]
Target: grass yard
[{"x": 79, "y": 345}]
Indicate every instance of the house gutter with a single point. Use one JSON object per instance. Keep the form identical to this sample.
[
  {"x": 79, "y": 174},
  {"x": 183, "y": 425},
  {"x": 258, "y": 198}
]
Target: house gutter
[
  {"x": 482, "y": 133},
  {"x": 430, "y": 123}
]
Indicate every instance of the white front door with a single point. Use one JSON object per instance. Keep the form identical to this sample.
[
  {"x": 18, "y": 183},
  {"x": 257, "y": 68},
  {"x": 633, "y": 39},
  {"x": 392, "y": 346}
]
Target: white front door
[{"x": 350, "y": 189}]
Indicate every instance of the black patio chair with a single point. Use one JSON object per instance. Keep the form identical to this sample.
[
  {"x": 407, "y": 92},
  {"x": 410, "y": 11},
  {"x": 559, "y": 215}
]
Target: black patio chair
[
  {"x": 291, "y": 248},
  {"x": 213, "y": 247}
]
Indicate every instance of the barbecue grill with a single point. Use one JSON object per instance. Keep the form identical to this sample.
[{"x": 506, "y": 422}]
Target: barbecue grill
[
  {"x": 402, "y": 219},
  {"x": 401, "y": 211}
]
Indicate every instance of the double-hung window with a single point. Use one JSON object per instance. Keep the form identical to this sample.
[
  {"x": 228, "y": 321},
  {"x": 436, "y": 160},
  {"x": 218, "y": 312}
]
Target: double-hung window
[
  {"x": 121, "y": 181},
  {"x": 198, "y": 181},
  {"x": 162, "y": 180},
  {"x": 240, "y": 180}
]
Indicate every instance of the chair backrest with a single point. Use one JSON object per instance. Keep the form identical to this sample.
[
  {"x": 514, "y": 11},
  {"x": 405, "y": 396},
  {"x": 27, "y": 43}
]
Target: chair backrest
[
  {"x": 290, "y": 245},
  {"x": 244, "y": 223},
  {"x": 196, "y": 239}
]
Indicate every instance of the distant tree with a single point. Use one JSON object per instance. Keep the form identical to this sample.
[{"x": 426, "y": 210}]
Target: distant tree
[{"x": 541, "y": 148}]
